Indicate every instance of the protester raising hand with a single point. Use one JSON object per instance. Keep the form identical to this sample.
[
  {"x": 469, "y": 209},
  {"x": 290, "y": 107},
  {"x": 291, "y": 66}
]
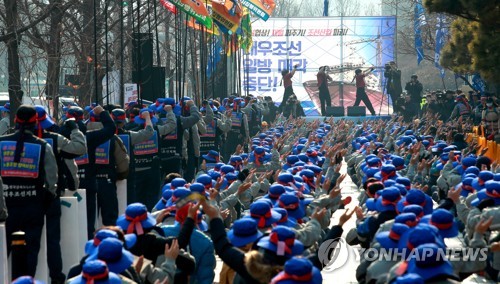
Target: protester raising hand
[
  {"x": 346, "y": 216},
  {"x": 172, "y": 251}
]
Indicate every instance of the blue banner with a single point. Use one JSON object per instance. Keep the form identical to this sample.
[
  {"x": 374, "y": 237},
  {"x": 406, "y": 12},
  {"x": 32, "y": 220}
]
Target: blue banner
[
  {"x": 236, "y": 119},
  {"x": 211, "y": 128},
  {"x": 147, "y": 147},
  {"x": 126, "y": 141},
  {"x": 419, "y": 22},
  {"x": 82, "y": 160},
  {"x": 441, "y": 37},
  {"x": 102, "y": 153},
  {"x": 478, "y": 83},
  {"x": 28, "y": 165}
]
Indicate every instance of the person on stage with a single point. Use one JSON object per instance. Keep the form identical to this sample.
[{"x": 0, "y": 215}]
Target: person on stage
[
  {"x": 324, "y": 94},
  {"x": 287, "y": 83},
  {"x": 360, "y": 89}
]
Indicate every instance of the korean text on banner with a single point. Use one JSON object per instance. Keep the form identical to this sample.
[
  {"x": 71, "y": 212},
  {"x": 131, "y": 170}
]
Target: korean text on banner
[
  {"x": 169, "y": 6},
  {"x": 262, "y": 8},
  {"x": 227, "y": 15},
  {"x": 195, "y": 9}
]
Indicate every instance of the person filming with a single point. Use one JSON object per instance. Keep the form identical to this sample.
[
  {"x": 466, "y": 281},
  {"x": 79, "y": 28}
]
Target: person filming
[
  {"x": 394, "y": 88},
  {"x": 414, "y": 89}
]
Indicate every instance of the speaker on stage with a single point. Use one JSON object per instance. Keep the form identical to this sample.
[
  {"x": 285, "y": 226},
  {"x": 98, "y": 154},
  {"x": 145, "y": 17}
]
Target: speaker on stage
[
  {"x": 335, "y": 111},
  {"x": 356, "y": 111}
]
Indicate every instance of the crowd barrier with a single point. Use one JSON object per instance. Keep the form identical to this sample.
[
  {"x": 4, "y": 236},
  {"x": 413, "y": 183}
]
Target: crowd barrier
[
  {"x": 476, "y": 136},
  {"x": 4, "y": 267},
  {"x": 73, "y": 233}
]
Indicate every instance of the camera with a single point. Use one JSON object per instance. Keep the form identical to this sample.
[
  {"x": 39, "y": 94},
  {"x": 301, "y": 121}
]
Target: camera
[{"x": 387, "y": 67}]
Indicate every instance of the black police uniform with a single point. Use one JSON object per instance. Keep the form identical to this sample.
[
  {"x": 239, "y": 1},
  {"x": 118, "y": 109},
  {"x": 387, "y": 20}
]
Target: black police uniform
[
  {"x": 29, "y": 188},
  {"x": 87, "y": 166}
]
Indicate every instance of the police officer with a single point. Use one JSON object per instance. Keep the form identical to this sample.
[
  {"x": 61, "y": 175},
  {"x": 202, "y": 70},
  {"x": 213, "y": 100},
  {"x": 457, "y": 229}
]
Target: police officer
[
  {"x": 254, "y": 111},
  {"x": 5, "y": 122},
  {"x": 174, "y": 127},
  {"x": 191, "y": 145},
  {"x": 216, "y": 129},
  {"x": 64, "y": 151},
  {"x": 86, "y": 163},
  {"x": 29, "y": 173},
  {"x": 131, "y": 138},
  {"x": 239, "y": 133},
  {"x": 111, "y": 164}
]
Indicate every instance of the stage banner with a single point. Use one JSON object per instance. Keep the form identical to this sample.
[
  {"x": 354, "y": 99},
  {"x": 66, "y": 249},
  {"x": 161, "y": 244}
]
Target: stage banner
[{"x": 342, "y": 44}]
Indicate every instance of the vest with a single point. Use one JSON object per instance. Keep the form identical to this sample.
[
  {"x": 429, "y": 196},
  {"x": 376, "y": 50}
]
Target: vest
[
  {"x": 463, "y": 109},
  {"x": 101, "y": 155},
  {"x": 145, "y": 152},
  {"x": 254, "y": 120},
  {"x": 64, "y": 177},
  {"x": 171, "y": 144},
  {"x": 105, "y": 159},
  {"x": 208, "y": 141},
  {"x": 237, "y": 125},
  {"x": 24, "y": 181}
]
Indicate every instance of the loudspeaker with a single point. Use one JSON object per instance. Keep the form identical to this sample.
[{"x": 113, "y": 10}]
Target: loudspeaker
[
  {"x": 142, "y": 46},
  {"x": 356, "y": 111},
  {"x": 335, "y": 111},
  {"x": 142, "y": 43}
]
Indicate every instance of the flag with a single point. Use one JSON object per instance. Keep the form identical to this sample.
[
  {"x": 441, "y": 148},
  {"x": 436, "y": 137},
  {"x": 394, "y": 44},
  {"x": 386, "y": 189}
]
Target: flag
[
  {"x": 195, "y": 9},
  {"x": 169, "y": 6},
  {"x": 262, "y": 8},
  {"x": 227, "y": 15},
  {"x": 215, "y": 52},
  {"x": 245, "y": 39},
  {"x": 195, "y": 25},
  {"x": 325, "y": 8},
  {"x": 441, "y": 36},
  {"x": 478, "y": 83},
  {"x": 420, "y": 21}
]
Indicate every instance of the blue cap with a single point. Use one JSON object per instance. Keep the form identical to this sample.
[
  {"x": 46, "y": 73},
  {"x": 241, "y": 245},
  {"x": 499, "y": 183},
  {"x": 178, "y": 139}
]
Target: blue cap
[
  {"x": 133, "y": 211},
  {"x": 417, "y": 197},
  {"x": 244, "y": 231},
  {"x": 409, "y": 219},
  {"x": 294, "y": 206},
  {"x": 282, "y": 242},
  {"x": 26, "y": 280},
  {"x": 298, "y": 271},
  {"x": 112, "y": 252},
  {"x": 444, "y": 221},
  {"x": 390, "y": 239},
  {"x": 43, "y": 118},
  {"x": 92, "y": 245},
  {"x": 177, "y": 182},
  {"x": 97, "y": 269},
  {"x": 262, "y": 213},
  {"x": 5, "y": 107},
  {"x": 432, "y": 265}
]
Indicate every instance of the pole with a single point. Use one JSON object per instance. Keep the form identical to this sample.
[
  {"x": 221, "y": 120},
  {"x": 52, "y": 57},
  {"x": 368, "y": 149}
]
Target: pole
[
  {"x": 95, "y": 53},
  {"x": 122, "y": 61},
  {"x": 106, "y": 7},
  {"x": 444, "y": 85},
  {"x": 139, "y": 59},
  {"x": 456, "y": 82},
  {"x": 341, "y": 84}
]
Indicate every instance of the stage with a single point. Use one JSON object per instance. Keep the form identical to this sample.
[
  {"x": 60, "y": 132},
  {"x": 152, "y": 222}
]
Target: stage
[{"x": 351, "y": 118}]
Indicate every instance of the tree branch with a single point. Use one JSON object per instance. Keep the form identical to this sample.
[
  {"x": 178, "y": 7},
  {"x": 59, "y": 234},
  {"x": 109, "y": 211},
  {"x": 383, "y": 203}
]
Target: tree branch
[{"x": 6, "y": 37}]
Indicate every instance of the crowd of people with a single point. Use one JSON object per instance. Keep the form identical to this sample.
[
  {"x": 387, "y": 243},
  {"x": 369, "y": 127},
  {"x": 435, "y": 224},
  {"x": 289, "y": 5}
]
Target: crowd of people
[{"x": 236, "y": 180}]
